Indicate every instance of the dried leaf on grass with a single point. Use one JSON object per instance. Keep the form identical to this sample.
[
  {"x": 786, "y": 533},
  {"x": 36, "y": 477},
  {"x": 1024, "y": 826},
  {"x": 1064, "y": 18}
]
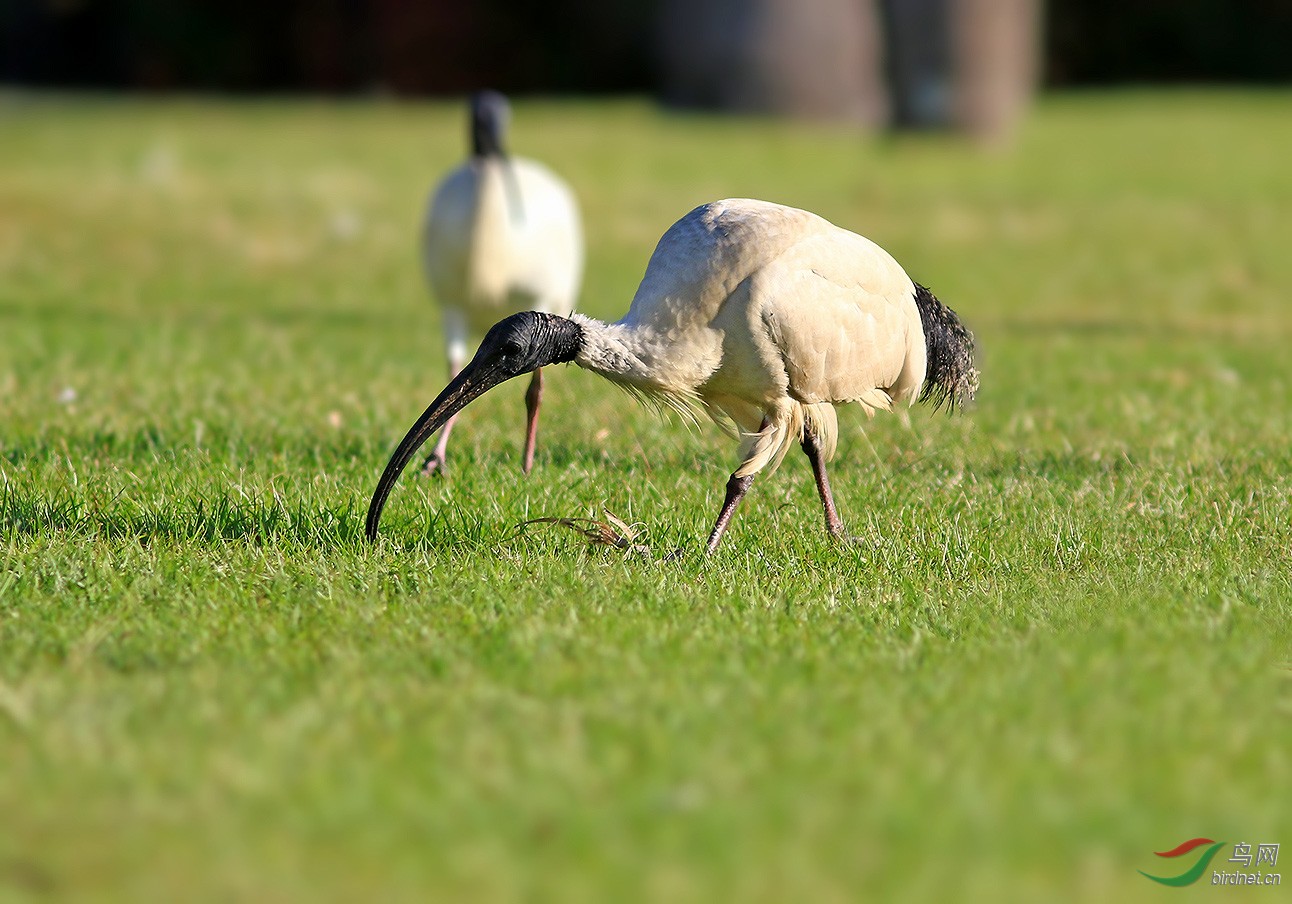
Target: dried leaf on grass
[{"x": 614, "y": 531}]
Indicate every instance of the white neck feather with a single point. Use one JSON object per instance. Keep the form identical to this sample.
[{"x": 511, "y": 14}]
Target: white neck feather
[
  {"x": 616, "y": 352},
  {"x": 646, "y": 359}
]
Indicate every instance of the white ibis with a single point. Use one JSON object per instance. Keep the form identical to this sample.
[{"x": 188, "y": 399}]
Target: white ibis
[
  {"x": 760, "y": 313},
  {"x": 502, "y": 235}
]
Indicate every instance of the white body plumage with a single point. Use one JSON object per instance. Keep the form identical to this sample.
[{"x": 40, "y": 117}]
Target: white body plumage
[
  {"x": 502, "y": 234},
  {"x": 770, "y": 316}
]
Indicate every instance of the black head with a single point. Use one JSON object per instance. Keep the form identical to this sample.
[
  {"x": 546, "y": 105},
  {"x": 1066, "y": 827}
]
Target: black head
[
  {"x": 517, "y": 345},
  {"x": 529, "y": 340},
  {"x": 490, "y": 114}
]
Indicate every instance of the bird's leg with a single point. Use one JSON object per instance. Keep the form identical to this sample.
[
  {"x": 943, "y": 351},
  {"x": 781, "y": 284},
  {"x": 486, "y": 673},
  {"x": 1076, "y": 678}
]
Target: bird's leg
[
  {"x": 434, "y": 463},
  {"x": 833, "y": 523},
  {"x": 737, "y": 487},
  {"x": 532, "y": 399}
]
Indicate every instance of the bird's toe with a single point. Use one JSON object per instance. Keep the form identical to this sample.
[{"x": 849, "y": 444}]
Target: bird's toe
[
  {"x": 435, "y": 464},
  {"x": 856, "y": 540}
]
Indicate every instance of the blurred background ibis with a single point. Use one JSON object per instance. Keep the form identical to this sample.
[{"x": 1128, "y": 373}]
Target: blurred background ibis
[{"x": 502, "y": 235}]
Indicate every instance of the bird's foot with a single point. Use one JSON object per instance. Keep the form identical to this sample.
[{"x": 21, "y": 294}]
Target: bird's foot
[
  {"x": 858, "y": 542},
  {"x": 435, "y": 464}
]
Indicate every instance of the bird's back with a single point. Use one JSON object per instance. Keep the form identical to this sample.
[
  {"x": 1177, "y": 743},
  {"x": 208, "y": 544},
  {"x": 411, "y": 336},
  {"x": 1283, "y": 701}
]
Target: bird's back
[
  {"x": 503, "y": 235},
  {"x": 781, "y": 302},
  {"x": 704, "y": 256}
]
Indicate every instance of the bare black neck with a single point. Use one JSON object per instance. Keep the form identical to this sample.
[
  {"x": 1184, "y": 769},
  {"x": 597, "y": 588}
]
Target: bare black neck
[{"x": 489, "y": 113}]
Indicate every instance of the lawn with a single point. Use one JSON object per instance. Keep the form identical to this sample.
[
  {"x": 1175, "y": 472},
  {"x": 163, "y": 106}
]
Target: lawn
[{"x": 1060, "y": 640}]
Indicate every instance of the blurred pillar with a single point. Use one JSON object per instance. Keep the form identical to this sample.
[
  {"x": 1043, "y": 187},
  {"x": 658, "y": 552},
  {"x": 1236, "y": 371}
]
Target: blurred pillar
[
  {"x": 997, "y": 63},
  {"x": 968, "y": 64},
  {"x": 809, "y": 58}
]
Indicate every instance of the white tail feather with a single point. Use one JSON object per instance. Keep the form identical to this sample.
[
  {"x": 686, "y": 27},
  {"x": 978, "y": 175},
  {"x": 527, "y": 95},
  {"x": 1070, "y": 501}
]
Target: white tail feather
[
  {"x": 875, "y": 399},
  {"x": 823, "y": 422},
  {"x": 767, "y": 448}
]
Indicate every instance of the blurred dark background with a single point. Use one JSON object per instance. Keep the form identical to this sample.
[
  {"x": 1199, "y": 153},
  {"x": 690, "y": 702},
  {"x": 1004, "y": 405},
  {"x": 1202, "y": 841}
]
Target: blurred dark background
[
  {"x": 906, "y": 63},
  {"x": 585, "y": 46},
  {"x": 401, "y": 46}
]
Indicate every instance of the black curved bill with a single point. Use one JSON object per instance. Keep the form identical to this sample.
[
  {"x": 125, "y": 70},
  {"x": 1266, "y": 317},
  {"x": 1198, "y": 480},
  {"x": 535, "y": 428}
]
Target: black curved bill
[{"x": 475, "y": 379}]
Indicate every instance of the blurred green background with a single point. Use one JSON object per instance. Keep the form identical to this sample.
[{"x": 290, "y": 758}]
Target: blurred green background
[{"x": 1059, "y": 643}]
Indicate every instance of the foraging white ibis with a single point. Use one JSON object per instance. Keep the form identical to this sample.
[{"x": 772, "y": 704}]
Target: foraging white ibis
[
  {"x": 502, "y": 235},
  {"x": 767, "y": 315}
]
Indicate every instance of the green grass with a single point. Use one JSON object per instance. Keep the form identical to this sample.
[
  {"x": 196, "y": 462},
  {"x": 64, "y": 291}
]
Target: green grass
[{"x": 1061, "y": 641}]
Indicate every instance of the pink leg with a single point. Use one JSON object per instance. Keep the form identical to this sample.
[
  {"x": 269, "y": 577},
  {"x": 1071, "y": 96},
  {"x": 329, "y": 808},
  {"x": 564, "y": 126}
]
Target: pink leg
[
  {"x": 736, "y": 489},
  {"x": 833, "y": 523},
  {"x": 434, "y": 463},
  {"x": 533, "y": 397}
]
